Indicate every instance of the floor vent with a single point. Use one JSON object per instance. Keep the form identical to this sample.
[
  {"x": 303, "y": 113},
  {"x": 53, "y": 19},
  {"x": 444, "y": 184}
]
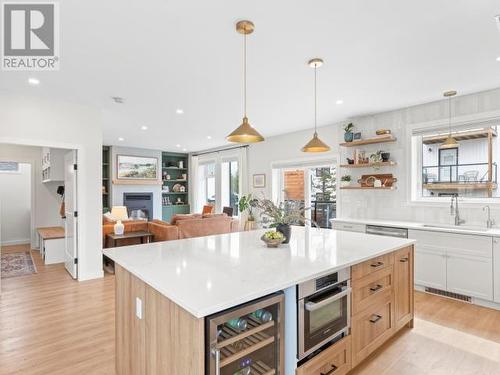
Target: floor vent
[{"x": 444, "y": 293}]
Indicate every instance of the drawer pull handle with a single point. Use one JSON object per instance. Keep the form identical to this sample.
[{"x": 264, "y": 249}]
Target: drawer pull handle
[
  {"x": 403, "y": 260},
  {"x": 376, "y": 288},
  {"x": 334, "y": 368},
  {"x": 376, "y": 265},
  {"x": 375, "y": 318}
]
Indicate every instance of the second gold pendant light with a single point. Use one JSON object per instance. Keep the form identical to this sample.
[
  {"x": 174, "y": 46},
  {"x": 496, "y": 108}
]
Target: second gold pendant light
[
  {"x": 245, "y": 133},
  {"x": 315, "y": 144}
]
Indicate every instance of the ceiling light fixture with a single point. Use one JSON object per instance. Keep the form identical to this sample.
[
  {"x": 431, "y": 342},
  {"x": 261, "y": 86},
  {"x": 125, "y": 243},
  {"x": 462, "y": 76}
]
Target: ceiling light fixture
[
  {"x": 179, "y": 111},
  {"x": 184, "y": 149},
  {"x": 340, "y": 101},
  {"x": 178, "y": 146},
  {"x": 209, "y": 137},
  {"x": 450, "y": 142},
  {"x": 498, "y": 58},
  {"x": 315, "y": 144},
  {"x": 33, "y": 81},
  {"x": 245, "y": 133},
  {"x": 144, "y": 127},
  {"x": 121, "y": 139}
]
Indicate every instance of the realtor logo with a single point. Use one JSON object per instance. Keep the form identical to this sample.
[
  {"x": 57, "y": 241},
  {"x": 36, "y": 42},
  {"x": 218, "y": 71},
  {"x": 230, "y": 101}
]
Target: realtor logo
[{"x": 30, "y": 36}]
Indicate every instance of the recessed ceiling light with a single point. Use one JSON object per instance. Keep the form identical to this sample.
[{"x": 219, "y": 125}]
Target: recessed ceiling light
[
  {"x": 33, "y": 81},
  {"x": 209, "y": 137},
  {"x": 118, "y": 99},
  {"x": 179, "y": 111},
  {"x": 184, "y": 149},
  {"x": 498, "y": 58},
  {"x": 144, "y": 127},
  {"x": 121, "y": 139},
  {"x": 340, "y": 101},
  {"x": 178, "y": 146}
]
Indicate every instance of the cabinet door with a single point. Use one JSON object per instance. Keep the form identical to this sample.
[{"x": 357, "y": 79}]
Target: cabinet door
[
  {"x": 403, "y": 286},
  {"x": 470, "y": 275},
  {"x": 496, "y": 268},
  {"x": 335, "y": 360},
  {"x": 430, "y": 267}
]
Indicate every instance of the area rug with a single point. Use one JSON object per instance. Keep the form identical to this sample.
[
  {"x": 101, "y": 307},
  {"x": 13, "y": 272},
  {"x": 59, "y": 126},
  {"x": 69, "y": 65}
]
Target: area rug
[{"x": 17, "y": 264}]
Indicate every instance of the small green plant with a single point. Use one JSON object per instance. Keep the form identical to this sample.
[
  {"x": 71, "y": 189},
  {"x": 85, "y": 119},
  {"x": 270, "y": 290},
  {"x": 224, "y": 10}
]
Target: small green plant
[
  {"x": 346, "y": 178},
  {"x": 273, "y": 235},
  {"x": 348, "y": 128},
  {"x": 247, "y": 203}
]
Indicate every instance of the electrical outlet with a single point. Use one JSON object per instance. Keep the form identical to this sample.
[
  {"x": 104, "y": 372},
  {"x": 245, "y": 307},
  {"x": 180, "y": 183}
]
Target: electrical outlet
[{"x": 138, "y": 308}]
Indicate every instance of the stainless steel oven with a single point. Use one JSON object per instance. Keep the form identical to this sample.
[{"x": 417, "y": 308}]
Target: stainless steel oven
[{"x": 324, "y": 306}]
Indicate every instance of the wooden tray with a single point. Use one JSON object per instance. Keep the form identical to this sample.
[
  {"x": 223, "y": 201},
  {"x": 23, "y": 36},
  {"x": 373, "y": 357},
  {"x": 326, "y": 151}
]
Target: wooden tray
[{"x": 387, "y": 179}]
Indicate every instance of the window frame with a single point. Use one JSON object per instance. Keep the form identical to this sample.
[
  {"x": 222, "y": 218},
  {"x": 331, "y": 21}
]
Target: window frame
[{"x": 414, "y": 157}]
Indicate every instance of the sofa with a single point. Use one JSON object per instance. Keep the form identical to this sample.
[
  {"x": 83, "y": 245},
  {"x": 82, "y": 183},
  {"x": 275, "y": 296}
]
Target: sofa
[{"x": 181, "y": 226}]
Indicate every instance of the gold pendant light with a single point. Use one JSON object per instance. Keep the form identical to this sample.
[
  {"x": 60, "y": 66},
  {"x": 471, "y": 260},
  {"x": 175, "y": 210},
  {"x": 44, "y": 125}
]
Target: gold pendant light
[
  {"x": 315, "y": 144},
  {"x": 450, "y": 142},
  {"x": 245, "y": 133}
]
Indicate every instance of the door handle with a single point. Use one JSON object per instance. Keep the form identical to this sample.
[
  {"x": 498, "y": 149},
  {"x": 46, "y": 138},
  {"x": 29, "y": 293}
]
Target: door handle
[
  {"x": 334, "y": 368},
  {"x": 376, "y": 288},
  {"x": 376, "y": 265},
  {"x": 403, "y": 260},
  {"x": 216, "y": 354},
  {"x": 312, "y": 306},
  {"x": 375, "y": 318}
]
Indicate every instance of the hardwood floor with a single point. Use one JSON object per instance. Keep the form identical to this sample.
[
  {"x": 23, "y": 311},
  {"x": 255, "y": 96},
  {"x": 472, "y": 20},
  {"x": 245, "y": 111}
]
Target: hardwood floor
[{"x": 50, "y": 324}]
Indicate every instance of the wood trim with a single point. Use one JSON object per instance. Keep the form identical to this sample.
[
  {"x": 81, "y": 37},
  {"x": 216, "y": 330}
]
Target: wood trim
[
  {"x": 370, "y": 165},
  {"x": 51, "y": 233},
  {"x": 463, "y": 136}
]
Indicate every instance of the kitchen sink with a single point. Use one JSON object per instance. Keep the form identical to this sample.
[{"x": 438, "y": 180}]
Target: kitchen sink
[{"x": 476, "y": 228}]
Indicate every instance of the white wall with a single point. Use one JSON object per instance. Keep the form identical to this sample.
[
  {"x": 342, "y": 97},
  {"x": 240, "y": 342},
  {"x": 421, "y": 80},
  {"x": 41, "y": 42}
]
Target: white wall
[
  {"x": 15, "y": 193},
  {"x": 45, "y": 204},
  {"x": 118, "y": 190},
  {"x": 36, "y": 121},
  {"x": 392, "y": 204}
]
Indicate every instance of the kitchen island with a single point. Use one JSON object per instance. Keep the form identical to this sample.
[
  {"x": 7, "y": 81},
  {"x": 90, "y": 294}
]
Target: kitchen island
[{"x": 166, "y": 289}]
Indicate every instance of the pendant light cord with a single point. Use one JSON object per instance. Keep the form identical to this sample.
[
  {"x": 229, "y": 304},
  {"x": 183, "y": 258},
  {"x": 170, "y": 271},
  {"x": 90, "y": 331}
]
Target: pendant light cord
[
  {"x": 245, "y": 74},
  {"x": 315, "y": 99},
  {"x": 449, "y": 115}
]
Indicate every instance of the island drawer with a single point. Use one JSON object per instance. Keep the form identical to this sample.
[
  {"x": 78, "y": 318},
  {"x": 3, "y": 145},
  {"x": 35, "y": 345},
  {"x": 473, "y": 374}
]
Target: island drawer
[
  {"x": 366, "y": 291},
  {"x": 373, "y": 265},
  {"x": 335, "y": 360},
  {"x": 371, "y": 328}
]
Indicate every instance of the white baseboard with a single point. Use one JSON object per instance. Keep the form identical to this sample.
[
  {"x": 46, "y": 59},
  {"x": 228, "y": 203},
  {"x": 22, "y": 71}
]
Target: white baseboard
[{"x": 25, "y": 241}]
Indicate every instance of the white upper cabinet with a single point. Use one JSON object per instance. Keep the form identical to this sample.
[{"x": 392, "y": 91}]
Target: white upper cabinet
[{"x": 53, "y": 164}]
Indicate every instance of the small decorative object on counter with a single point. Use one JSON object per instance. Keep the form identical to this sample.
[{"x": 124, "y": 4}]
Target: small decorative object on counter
[
  {"x": 239, "y": 324},
  {"x": 345, "y": 180},
  {"x": 349, "y": 135},
  {"x": 383, "y": 132},
  {"x": 181, "y": 164},
  {"x": 263, "y": 315},
  {"x": 273, "y": 238}
]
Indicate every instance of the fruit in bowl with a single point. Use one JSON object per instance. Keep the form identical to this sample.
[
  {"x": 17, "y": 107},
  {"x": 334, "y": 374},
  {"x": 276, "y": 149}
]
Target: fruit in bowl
[{"x": 273, "y": 238}]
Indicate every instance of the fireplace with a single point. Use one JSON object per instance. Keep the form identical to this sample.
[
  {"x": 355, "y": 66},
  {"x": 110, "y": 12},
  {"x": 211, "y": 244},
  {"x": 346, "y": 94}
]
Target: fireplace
[{"x": 139, "y": 205}]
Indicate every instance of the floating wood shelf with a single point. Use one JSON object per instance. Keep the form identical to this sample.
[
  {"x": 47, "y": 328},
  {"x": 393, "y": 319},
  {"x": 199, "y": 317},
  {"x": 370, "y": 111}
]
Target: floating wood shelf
[
  {"x": 136, "y": 182},
  {"x": 370, "y": 165},
  {"x": 461, "y": 186},
  {"x": 357, "y": 187},
  {"x": 175, "y": 168},
  {"x": 165, "y": 180},
  {"x": 174, "y": 192},
  {"x": 370, "y": 141}
]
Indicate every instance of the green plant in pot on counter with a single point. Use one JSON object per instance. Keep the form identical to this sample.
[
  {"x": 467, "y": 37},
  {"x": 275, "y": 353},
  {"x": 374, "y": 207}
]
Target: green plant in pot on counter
[
  {"x": 247, "y": 203},
  {"x": 273, "y": 238},
  {"x": 349, "y": 135},
  {"x": 283, "y": 215}
]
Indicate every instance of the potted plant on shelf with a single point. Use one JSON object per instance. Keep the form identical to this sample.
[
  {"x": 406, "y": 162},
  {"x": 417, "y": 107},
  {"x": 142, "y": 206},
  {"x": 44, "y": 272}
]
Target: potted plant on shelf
[
  {"x": 283, "y": 215},
  {"x": 247, "y": 203},
  {"x": 348, "y": 135},
  {"x": 345, "y": 180}
]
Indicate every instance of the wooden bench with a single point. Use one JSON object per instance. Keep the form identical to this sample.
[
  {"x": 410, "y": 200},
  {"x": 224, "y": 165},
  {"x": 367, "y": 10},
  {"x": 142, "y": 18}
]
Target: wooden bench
[{"x": 52, "y": 244}]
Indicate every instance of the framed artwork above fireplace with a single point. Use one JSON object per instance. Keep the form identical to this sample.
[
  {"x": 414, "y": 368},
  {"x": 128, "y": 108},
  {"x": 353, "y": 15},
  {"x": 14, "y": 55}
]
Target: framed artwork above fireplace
[{"x": 136, "y": 168}]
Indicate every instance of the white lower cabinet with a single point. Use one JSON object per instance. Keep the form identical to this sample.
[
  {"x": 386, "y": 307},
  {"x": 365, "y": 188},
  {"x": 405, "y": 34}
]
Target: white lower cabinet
[
  {"x": 458, "y": 263},
  {"x": 496, "y": 269}
]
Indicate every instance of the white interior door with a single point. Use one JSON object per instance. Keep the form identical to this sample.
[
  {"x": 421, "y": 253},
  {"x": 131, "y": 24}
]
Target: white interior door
[{"x": 70, "y": 210}]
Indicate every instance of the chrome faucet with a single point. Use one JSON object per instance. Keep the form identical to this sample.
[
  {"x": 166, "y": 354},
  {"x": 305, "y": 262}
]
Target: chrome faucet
[
  {"x": 489, "y": 222},
  {"x": 455, "y": 211}
]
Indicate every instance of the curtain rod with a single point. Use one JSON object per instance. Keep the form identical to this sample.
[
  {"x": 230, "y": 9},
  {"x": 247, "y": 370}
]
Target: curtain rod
[{"x": 220, "y": 150}]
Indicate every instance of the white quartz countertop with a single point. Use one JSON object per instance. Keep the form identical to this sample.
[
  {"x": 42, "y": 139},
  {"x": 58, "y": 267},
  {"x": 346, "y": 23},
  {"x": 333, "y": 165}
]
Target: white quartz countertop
[
  {"x": 436, "y": 227},
  {"x": 206, "y": 275}
]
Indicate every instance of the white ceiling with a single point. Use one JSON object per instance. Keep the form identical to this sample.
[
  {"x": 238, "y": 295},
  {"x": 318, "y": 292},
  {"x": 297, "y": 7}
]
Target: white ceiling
[{"x": 161, "y": 55}]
